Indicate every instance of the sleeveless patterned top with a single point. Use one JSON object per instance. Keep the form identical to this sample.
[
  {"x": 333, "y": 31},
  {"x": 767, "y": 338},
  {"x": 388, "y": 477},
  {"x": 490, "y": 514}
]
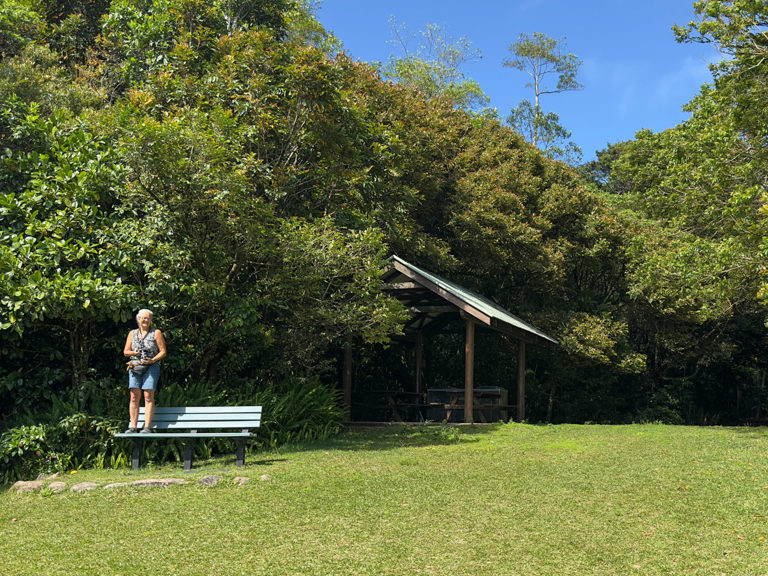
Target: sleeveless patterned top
[{"x": 147, "y": 345}]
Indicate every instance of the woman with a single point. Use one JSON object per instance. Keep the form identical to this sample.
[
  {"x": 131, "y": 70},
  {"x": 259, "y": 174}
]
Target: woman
[{"x": 144, "y": 347}]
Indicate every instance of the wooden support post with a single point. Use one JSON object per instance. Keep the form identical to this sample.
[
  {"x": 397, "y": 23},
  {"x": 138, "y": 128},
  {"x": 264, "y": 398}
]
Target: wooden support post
[
  {"x": 520, "y": 381},
  {"x": 347, "y": 382},
  {"x": 418, "y": 352},
  {"x": 469, "y": 372}
]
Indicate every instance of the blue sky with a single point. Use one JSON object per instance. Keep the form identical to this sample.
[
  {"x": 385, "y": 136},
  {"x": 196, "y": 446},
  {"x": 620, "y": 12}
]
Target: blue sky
[{"x": 635, "y": 74}]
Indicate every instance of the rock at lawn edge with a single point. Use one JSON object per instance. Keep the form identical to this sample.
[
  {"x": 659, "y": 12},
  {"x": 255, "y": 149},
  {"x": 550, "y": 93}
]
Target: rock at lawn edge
[
  {"x": 25, "y": 486},
  {"x": 209, "y": 480},
  {"x": 155, "y": 483},
  {"x": 83, "y": 486},
  {"x": 240, "y": 480},
  {"x": 57, "y": 487}
]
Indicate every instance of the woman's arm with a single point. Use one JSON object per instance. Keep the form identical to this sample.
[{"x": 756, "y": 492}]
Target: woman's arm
[{"x": 128, "y": 343}]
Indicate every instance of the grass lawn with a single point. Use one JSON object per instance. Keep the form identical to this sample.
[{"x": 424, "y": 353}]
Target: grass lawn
[{"x": 498, "y": 499}]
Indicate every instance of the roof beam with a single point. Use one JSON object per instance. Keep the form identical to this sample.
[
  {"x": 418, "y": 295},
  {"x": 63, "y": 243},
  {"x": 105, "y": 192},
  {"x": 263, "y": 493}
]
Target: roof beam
[
  {"x": 396, "y": 286},
  {"x": 445, "y": 294},
  {"x": 432, "y": 309}
]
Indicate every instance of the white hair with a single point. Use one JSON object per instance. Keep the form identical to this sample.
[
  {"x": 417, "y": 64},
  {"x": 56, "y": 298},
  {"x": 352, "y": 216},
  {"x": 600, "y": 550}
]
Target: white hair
[{"x": 140, "y": 312}]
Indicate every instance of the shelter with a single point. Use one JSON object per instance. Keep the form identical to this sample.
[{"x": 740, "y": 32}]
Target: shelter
[{"x": 432, "y": 300}]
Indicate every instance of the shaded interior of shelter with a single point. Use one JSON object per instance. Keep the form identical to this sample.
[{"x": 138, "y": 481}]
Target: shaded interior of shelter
[{"x": 457, "y": 345}]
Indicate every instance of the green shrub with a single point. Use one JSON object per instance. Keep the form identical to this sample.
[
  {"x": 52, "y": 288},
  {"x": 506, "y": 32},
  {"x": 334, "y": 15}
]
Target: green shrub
[
  {"x": 86, "y": 441},
  {"x": 299, "y": 410},
  {"x": 25, "y": 452},
  {"x": 77, "y": 441},
  {"x": 294, "y": 410}
]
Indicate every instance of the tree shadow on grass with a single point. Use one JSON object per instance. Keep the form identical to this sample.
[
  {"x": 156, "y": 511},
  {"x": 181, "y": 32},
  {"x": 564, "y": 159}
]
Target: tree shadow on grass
[
  {"x": 393, "y": 436},
  {"x": 268, "y": 461},
  {"x": 755, "y": 432}
]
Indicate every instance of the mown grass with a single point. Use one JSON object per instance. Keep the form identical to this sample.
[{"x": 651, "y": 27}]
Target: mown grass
[{"x": 499, "y": 499}]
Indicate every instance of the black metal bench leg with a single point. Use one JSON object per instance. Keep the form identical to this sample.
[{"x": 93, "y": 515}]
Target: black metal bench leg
[
  {"x": 189, "y": 448},
  {"x": 240, "y": 454},
  {"x": 136, "y": 456}
]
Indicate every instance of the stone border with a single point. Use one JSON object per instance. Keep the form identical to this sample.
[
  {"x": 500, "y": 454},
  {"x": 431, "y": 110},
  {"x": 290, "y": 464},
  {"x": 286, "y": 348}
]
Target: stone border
[{"x": 33, "y": 486}]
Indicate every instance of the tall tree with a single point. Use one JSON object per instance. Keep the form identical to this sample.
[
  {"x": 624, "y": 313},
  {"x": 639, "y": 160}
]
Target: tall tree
[
  {"x": 434, "y": 66},
  {"x": 543, "y": 58}
]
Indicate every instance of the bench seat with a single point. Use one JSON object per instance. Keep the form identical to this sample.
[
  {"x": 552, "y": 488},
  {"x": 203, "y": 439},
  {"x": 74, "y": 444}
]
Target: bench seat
[
  {"x": 191, "y": 422},
  {"x": 158, "y": 435}
]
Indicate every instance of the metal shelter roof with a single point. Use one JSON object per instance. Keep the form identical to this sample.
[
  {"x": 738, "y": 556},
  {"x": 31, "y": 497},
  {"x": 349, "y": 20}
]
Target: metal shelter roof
[{"x": 432, "y": 299}]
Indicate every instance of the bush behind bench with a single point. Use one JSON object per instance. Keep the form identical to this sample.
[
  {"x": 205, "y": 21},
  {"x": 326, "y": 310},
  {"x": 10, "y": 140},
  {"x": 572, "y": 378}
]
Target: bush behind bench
[{"x": 294, "y": 410}]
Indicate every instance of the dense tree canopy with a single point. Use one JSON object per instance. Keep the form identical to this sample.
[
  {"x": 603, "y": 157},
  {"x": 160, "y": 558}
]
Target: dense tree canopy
[
  {"x": 219, "y": 163},
  {"x": 699, "y": 270}
]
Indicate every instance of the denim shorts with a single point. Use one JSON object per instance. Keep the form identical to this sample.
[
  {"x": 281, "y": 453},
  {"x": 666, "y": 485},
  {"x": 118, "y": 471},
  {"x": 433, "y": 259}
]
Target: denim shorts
[{"x": 147, "y": 381}]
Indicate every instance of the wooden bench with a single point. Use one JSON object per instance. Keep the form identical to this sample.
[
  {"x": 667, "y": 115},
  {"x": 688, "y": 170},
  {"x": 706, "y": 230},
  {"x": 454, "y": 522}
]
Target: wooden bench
[{"x": 191, "y": 422}]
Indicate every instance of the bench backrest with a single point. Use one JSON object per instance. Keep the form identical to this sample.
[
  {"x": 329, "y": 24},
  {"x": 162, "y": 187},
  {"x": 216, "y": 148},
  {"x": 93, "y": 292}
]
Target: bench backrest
[{"x": 198, "y": 417}]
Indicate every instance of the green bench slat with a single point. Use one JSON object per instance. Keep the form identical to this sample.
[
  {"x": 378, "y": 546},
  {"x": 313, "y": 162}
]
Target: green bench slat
[
  {"x": 203, "y": 415},
  {"x": 203, "y": 418},
  {"x": 195, "y": 424},
  {"x": 220, "y": 417},
  {"x": 192, "y": 417},
  {"x": 204, "y": 409}
]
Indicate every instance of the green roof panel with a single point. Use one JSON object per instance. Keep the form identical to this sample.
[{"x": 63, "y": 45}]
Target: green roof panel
[{"x": 481, "y": 308}]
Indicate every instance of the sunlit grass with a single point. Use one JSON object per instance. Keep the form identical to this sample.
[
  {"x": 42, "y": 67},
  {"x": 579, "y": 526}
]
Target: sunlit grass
[{"x": 501, "y": 499}]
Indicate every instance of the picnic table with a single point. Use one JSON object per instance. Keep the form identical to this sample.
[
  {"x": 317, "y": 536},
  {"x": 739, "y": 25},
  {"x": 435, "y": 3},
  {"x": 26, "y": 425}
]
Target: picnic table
[{"x": 490, "y": 403}]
